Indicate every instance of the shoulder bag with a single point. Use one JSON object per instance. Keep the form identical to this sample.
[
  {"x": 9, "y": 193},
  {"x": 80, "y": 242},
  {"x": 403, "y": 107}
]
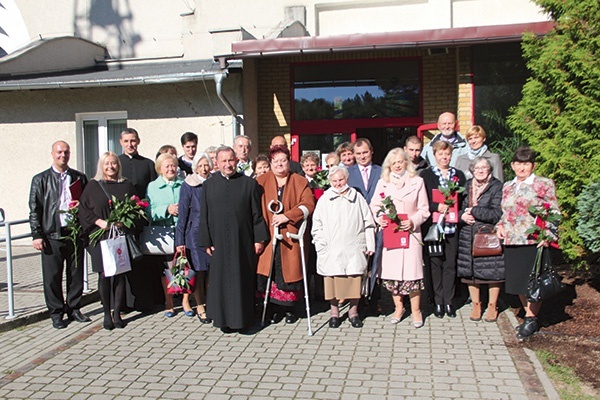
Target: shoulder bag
[{"x": 544, "y": 282}]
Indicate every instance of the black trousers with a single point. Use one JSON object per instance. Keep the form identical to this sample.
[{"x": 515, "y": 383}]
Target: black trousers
[
  {"x": 55, "y": 255},
  {"x": 443, "y": 271}
]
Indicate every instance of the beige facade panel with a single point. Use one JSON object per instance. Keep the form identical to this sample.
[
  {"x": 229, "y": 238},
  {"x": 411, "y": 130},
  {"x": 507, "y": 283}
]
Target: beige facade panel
[{"x": 33, "y": 120}]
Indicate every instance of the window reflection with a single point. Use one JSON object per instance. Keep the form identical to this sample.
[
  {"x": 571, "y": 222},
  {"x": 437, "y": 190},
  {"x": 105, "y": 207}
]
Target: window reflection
[{"x": 385, "y": 89}]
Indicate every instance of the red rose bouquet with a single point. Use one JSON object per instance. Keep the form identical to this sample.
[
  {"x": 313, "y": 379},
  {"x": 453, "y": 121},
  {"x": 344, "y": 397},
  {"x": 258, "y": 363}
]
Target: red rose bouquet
[{"x": 124, "y": 213}]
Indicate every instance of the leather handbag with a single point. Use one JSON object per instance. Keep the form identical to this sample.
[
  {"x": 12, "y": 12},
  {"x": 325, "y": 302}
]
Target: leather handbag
[
  {"x": 158, "y": 240},
  {"x": 544, "y": 282},
  {"x": 486, "y": 244},
  {"x": 133, "y": 245}
]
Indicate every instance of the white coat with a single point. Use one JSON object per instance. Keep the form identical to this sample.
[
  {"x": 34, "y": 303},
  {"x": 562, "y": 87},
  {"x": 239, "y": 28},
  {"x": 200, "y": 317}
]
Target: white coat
[{"x": 343, "y": 230}]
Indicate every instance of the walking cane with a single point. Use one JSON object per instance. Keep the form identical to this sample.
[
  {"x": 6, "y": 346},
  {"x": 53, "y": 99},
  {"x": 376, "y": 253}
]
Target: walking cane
[
  {"x": 276, "y": 207},
  {"x": 300, "y": 238}
]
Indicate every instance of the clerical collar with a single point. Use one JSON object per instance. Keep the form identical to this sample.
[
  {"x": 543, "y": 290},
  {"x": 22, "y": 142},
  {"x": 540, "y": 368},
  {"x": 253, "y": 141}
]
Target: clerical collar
[{"x": 225, "y": 176}]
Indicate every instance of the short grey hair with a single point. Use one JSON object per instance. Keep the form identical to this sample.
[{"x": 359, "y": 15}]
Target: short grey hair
[
  {"x": 222, "y": 149},
  {"x": 477, "y": 160},
  {"x": 338, "y": 168},
  {"x": 197, "y": 158},
  {"x": 243, "y": 137}
]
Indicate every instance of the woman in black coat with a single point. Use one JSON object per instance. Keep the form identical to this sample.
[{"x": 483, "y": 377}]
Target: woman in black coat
[
  {"x": 94, "y": 211},
  {"x": 483, "y": 208},
  {"x": 441, "y": 277}
]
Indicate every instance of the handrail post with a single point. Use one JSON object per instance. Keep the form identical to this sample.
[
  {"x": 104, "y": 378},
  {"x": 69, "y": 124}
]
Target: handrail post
[{"x": 9, "y": 273}]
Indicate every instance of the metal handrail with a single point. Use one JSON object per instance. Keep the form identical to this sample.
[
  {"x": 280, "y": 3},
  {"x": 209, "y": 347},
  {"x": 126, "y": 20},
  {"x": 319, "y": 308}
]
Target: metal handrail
[
  {"x": 9, "y": 267},
  {"x": 9, "y": 259}
]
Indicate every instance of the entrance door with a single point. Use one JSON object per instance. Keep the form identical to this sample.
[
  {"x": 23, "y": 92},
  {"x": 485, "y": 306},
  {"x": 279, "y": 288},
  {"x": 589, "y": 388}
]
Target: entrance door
[{"x": 385, "y": 139}]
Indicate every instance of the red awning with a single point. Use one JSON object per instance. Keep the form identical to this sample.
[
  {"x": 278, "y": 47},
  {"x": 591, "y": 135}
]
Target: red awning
[{"x": 387, "y": 40}]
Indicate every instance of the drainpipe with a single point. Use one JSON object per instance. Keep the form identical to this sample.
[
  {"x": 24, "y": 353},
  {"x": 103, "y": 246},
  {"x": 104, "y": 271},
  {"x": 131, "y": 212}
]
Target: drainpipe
[{"x": 237, "y": 120}]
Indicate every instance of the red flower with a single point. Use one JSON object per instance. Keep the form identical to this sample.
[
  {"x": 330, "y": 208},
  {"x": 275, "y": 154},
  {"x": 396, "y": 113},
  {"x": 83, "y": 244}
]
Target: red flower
[
  {"x": 319, "y": 168},
  {"x": 143, "y": 204},
  {"x": 546, "y": 206},
  {"x": 110, "y": 202},
  {"x": 73, "y": 204},
  {"x": 135, "y": 198},
  {"x": 382, "y": 195},
  {"x": 455, "y": 178}
]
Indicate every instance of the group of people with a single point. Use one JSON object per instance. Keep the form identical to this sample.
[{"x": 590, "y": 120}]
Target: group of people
[{"x": 235, "y": 219}]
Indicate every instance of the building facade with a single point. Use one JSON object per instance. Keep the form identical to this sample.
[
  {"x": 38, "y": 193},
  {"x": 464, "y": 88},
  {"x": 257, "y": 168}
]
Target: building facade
[{"x": 317, "y": 72}]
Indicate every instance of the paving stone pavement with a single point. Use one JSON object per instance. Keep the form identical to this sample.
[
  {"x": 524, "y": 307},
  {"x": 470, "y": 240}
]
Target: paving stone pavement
[{"x": 159, "y": 358}]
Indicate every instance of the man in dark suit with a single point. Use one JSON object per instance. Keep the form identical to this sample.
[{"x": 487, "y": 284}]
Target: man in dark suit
[
  {"x": 363, "y": 175},
  {"x": 53, "y": 192}
]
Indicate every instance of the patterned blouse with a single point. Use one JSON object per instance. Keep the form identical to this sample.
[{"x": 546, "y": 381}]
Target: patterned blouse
[{"x": 516, "y": 199}]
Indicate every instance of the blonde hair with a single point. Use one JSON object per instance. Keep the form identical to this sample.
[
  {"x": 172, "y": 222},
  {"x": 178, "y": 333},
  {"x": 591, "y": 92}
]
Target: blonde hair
[
  {"x": 386, "y": 168},
  {"x": 475, "y": 130},
  {"x": 161, "y": 159},
  {"x": 99, "y": 169}
]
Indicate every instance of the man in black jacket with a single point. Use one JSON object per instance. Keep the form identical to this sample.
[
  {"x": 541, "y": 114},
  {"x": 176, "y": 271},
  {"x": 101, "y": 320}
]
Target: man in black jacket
[{"x": 52, "y": 191}]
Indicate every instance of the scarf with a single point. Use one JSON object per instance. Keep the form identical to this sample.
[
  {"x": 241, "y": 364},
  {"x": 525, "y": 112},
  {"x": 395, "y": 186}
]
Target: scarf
[
  {"x": 194, "y": 180},
  {"x": 477, "y": 189},
  {"x": 473, "y": 154}
]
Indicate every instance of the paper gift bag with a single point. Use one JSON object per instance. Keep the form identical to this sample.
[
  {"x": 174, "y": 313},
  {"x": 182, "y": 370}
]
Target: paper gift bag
[{"x": 115, "y": 256}]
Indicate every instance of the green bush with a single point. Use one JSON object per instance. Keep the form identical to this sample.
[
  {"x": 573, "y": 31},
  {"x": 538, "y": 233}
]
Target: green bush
[
  {"x": 588, "y": 226},
  {"x": 559, "y": 114}
]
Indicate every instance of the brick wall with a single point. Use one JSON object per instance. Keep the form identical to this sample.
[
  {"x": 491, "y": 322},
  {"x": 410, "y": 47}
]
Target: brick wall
[{"x": 444, "y": 89}]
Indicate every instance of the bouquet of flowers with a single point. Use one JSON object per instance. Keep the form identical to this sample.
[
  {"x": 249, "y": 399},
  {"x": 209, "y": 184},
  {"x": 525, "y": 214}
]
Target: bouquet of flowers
[
  {"x": 320, "y": 180},
  {"x": 124, "y": 213},
  {"x": 545, "y": 227},
  {"x": 450, "y": 191},
  {"x": 73, "y": 226},
  {"x": 180, "y": 276}
]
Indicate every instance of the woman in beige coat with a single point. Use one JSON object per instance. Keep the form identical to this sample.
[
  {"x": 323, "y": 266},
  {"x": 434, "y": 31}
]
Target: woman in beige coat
[
  {"x": 344, "y": 236},
  {"x": 402, "y": 268}
]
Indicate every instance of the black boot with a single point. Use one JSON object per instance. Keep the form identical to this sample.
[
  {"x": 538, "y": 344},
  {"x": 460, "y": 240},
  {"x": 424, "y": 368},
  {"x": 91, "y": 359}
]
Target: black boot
[{"x": 528, "y": 328}]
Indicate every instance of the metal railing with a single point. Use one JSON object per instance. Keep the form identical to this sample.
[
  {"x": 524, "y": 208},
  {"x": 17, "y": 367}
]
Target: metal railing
[{"x": 8, "y": 238}]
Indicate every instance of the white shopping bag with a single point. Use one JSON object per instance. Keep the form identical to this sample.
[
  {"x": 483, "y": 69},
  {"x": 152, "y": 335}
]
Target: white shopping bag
[{"x": 115, "y": 256}]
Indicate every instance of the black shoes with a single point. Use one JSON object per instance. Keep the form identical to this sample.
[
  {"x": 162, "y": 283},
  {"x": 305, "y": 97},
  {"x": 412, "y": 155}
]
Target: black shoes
[
  {"x": 108, "y": 323},
  {"x": 450, "y": 311},
  {"x": 528, "y": 328},
  {"x": 57, "y": 322},
  {"x": 290, "y": 317},
  {"x": 76, "y": 315},
  {"x": 335, "y": 322},
  {"x": 439, "y": 311},
  {"x": 356, "y": 322},
  {"x": 276, "y": 318}
]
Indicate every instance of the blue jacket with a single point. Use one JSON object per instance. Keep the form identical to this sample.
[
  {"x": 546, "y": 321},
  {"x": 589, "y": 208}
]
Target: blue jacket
[
  {"x": 187, "y": 232},
  {"x": 355, "y": 180}
]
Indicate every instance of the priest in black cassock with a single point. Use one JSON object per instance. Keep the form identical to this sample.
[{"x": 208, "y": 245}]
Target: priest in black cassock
[{"x": 234, "y": 232}]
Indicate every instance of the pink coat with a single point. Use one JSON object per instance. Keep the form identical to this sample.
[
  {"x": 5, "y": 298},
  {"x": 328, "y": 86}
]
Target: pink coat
[{"x": 411, "y": 199}]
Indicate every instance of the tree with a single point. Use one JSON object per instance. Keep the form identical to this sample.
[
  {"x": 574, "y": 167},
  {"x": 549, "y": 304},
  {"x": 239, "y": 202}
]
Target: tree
[{"x": 559, "y": 113}]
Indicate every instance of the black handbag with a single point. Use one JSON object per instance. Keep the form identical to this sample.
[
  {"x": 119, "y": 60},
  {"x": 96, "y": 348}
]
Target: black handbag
[
  {"x": 544, "y": 282},
  {"x": 135, "y": 250},
  {"x": 433, "y": 239}
]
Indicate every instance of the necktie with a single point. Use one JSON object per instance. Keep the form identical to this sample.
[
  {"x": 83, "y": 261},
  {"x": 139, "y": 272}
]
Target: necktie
[{"x": 366, "y": 177}]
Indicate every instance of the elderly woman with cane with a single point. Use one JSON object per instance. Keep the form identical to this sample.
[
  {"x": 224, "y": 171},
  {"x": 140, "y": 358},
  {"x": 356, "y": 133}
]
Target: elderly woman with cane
[
  {"x": 344, "y": 236},
  {"x": 285, "y": 201}
]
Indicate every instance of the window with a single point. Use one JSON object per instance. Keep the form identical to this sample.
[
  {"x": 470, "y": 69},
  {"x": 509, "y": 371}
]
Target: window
[
  {"x": 355, "y": 90},
  {"x": 97, "y": 134}
]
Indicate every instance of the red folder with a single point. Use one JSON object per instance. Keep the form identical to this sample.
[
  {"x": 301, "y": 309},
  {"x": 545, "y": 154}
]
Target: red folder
[
  {"x": 76, "y": 190},
  {"x": 452, "y": 214},
  {"x": 393, "y": 239}
]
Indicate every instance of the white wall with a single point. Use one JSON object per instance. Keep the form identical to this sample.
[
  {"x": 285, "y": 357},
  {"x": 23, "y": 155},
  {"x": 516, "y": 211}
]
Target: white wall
[{"x": 171, "y": 28}]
